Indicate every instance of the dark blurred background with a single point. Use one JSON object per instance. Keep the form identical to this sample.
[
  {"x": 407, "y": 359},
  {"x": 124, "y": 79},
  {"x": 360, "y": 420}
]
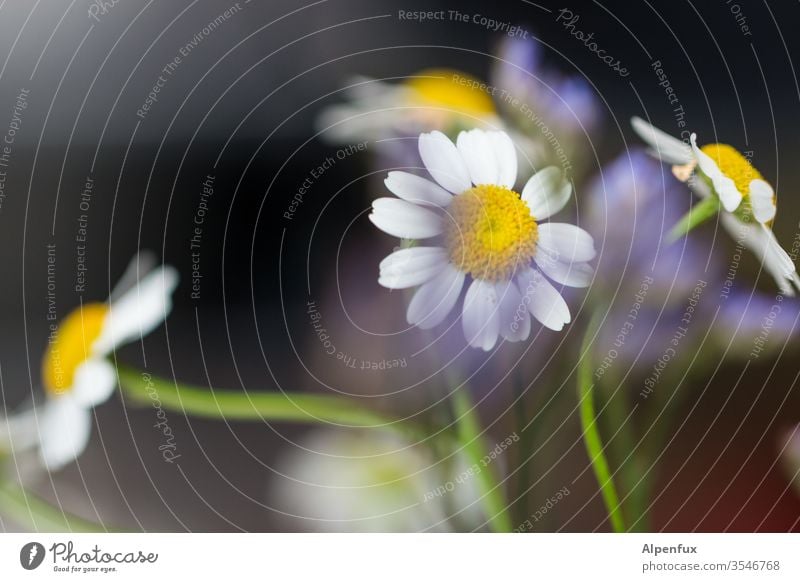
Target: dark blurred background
[{"x": 241, "y": 107}]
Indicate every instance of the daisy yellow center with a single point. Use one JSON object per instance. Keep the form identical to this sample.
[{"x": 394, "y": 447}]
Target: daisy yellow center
[
  {"x": 733, "y": 164},
  {"x": 451, "y": 90},
  {"x": 490, "y": 231},
  {"x": 70, "y": 346}
]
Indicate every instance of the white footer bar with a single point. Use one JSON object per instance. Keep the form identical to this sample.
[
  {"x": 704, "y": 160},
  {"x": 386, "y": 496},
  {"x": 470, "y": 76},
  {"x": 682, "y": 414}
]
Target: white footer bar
[{"x": 389, "y": 557}]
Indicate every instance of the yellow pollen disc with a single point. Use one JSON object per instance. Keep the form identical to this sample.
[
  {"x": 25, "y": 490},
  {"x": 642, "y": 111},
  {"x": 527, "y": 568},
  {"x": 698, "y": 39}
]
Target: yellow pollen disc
[
  {"x": 451, "y": 90},
  {"x": 733, "y": 164},
  {"x": 490, "y": 232},
  {"x": 70, "y": 345}
]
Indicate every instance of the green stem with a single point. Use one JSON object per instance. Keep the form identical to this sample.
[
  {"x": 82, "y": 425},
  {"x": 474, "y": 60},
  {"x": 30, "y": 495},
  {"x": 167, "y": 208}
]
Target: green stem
[
  {"x": 37, "y": 515},
  {"x": 260, "y": 406},
  {"x": 591, "y": 434},
  {"x": 313, "y": 408},
  {"x": 469, "y": 436},
  {"x": 661, "y": 423},
  {"x": 696, "y": 216},
  {"x": 523, "y": 467},
  {"x": 632, "y": 469}
]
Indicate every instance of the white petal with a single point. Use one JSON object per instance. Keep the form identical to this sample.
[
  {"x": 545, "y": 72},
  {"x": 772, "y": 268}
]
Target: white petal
[
  {"x": 94, "y": 382},
  {"x": 565, "y": 243},
  {"x": 778, "y": 257},
  {"x": 546, "y": 192},
  {"x": 762, "y": 200},
  {"x": 404, "y": 220},
  {"x": 19, "y": 431},
  {"x": 761, "y": 241},
  {"x": 795, "y": 279},
  {"x": 142, "y": 263},
  {"x": 345, "y": 123},
  {"x": 515, "y": 320},
  {"x": 411, "y": 267},
  {"x": 372, "y": 107},
  {"x": 476, "y": 148},
  {"x": 417, "y": 189},
  {"x": 64, "y": 428},
  {"x": 569, "y": 274},
  {"x": 443, "y": 161},
  {"x": 138, "y": 311},
  {"x": 544, "y": 301},
  {"x": 663, "y": 146},
  {"x": 506, "y": 155},
  {"x": 368, "y": 89},
  {"x": 481, "y": 320},
  {"x": 436, "y": 298},
  {"x": 723, "y": 185}
]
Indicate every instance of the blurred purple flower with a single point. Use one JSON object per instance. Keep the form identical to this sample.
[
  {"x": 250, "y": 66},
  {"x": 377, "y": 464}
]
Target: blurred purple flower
[
  {"x": 751, "y": 322},
  {"x": 366, "y": 326},
  {"x": 566, "y": 104},
  {"x": 629, "y": 207}
]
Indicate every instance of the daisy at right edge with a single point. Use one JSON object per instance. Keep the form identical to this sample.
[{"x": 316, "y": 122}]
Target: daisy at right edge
[{"x": 719, "y": 174}]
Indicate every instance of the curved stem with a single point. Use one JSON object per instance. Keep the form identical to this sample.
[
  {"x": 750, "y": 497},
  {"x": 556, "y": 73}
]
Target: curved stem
[
  {"x": 631, "y": 471},
  {"x": 275, "y": 406},
  {"x": 469, "y": 436},
  {"x": 591, "y": 434},
  {"x": 313, "y": 408},
  {"x": 38, "y": 515}
]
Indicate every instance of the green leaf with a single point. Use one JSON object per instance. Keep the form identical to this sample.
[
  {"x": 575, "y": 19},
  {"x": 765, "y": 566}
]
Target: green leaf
[
  {"x": 697, "y": 215},
  {"x": 146, "y": 389},
  {"x": 38, "y": 515}
]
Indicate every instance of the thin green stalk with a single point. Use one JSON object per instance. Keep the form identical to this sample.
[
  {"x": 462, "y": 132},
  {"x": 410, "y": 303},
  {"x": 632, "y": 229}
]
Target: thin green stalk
[
  {"x": 469, "y": 436},
  {"x": 146, "y": 389},
  {"x": 537, "y": 433},
  {"x": 591, "y": 434},
  {"x": 523, "y": 467},
  {"x": 661, "y": 421},
  {"x": 631, "y": 471},
  {"x": 696, "y": 216},
  {"x": 37, "y": 515}
]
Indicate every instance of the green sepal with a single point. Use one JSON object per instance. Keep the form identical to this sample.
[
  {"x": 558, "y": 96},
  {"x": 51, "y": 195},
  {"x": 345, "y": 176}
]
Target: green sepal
[{"x": 697, "y": 215}]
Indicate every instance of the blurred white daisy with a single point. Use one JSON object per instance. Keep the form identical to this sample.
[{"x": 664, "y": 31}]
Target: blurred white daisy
[
  {"x": 75, "y": 372},
  {"x": 483, "y": 230},
  {"x": 372, "y": 480},
  {"x": 718, "y": 172},
  {"x": 393, "y": 114},
  {"x": 790, "y": 455},
  {"x": 441, "y": 99}
]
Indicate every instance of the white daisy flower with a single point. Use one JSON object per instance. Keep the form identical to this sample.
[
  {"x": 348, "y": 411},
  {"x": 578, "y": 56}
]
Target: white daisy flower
[
  {"x": 483, "y": 230},
  {"x": 372, "y": 480},
  {"x": 719, "y": 172},
  {"x": 391, "y": 114},
  {"x": 431, "y": 99},
  {"x": 75, "y": 373}
]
